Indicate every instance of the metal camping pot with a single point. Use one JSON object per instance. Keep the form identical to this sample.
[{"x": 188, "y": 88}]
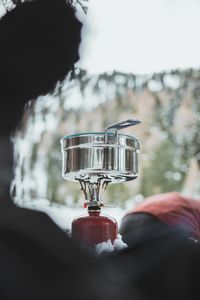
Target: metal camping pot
[{"x": 108, "y": 154}]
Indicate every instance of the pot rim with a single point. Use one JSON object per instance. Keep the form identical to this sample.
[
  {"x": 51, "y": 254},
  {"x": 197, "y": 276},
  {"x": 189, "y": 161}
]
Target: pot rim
[{"x": 95, "y": 133}]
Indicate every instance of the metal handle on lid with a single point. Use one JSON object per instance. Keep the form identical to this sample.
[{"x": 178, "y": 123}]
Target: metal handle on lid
[
  {"x": 123, "y": 124},
  {"x": 113, "y": 128}
]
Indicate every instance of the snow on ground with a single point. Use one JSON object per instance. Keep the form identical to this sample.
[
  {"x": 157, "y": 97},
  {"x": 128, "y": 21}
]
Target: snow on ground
[
  {"x": 63, "y": 215},
  {"x": 108, "y": 247}
]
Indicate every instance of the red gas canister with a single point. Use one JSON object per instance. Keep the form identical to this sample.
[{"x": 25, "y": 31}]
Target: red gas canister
[{"x": 94, "y": 228}]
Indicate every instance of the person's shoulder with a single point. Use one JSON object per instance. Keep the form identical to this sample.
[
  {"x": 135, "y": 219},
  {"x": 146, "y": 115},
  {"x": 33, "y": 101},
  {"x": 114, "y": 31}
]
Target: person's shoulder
[
  {"x": 11, "y": 212},
  {"x": 36, "y": 226}
]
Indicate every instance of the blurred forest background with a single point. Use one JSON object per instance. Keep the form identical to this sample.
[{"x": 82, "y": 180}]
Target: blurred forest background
[{"x": 168, "y": 104}]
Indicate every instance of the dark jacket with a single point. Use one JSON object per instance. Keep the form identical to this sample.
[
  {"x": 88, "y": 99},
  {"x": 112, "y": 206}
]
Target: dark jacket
[
  {"x": 162, "y": 262},
  {"x": 39, "y": 261}
]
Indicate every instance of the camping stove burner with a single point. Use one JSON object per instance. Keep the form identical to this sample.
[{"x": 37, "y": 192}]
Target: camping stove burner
[{"x": 93, "y": 190}]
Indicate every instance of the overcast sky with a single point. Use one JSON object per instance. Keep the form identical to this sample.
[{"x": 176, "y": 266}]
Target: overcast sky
[{"x": 141, "y": 36}]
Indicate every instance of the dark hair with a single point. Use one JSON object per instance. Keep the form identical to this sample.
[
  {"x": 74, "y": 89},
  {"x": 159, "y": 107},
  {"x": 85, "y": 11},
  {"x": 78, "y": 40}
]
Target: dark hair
[{"x": 39, "y": 45}]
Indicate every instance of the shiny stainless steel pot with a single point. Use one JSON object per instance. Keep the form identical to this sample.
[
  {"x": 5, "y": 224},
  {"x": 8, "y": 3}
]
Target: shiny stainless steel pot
[{"x": 101, "y": 155}]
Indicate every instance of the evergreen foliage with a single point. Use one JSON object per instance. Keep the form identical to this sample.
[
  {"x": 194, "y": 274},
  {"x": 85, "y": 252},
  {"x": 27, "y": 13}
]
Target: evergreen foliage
[{"x": 170, "y": 125}]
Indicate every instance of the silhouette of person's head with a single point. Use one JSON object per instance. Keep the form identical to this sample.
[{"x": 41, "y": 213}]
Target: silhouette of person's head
[{"x": 39, "y": 45}]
